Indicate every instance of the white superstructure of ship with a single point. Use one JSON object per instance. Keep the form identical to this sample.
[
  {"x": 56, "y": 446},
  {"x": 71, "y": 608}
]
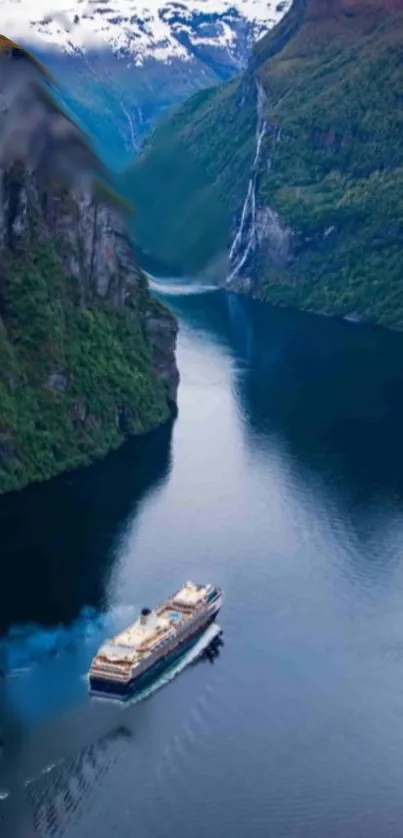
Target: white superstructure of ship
[{"x": 151, "y": 643}]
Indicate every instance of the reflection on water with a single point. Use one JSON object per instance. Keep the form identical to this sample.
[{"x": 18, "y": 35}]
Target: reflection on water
[
  {"x": 57, "y": 795},
  {"x": 286, "y": 489},
  {"x": 58, "y": 545},
  {"x": 333, "y": 392},
  {"x": 58, "y": 539},
  {"x": 332, "y": 398},
  {"x": 56, "y": 798},
  {"x": 329, "y": 397}
]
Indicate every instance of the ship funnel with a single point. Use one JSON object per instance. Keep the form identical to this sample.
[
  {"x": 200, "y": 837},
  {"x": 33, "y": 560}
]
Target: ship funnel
[{"x": 145, "y": 613}]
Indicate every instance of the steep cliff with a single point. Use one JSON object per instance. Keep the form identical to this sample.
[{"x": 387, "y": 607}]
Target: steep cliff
[
  {"x": 293, "y": 193},
  {"x": 87, "y": 354}
]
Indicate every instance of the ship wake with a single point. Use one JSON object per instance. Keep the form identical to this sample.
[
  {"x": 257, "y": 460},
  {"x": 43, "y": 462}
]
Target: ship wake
[{"x": 191, "y": 656}]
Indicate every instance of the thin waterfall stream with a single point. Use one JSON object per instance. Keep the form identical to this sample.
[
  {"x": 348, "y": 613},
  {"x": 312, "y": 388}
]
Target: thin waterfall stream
[{"x": 245, "y": 238}]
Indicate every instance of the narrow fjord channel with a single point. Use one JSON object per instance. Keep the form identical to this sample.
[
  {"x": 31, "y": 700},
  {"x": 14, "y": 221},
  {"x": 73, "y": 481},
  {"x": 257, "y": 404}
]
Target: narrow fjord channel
[{"x": 281, "y": 481}]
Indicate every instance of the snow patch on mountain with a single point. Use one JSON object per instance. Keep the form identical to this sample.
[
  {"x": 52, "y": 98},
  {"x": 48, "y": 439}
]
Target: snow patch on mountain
[
  {"x": 139, "y": 30},
  {"x": 120, "y": 65}
]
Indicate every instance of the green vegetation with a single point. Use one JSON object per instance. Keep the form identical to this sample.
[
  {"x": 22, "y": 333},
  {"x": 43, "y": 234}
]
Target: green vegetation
[
  {"x": 73, "y": 382},
  {"x": 356, "y": 266},
  {"x": 335, "y": 147},
  {"x": 337, "y": 173},
  {"x": 190, "y": 175}
]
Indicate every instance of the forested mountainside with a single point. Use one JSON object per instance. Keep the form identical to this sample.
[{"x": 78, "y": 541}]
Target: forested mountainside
[
  {"x": 287, "y": 182},
  {"x": 87, "y": 356}
]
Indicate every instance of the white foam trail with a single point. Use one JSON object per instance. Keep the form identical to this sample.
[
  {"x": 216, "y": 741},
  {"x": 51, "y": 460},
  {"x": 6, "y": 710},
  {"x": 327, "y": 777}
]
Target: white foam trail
[
  {"x": 15, "y": 673},
  {"x": 49, "y": 768},
  {"x": 189, "y": 657}
]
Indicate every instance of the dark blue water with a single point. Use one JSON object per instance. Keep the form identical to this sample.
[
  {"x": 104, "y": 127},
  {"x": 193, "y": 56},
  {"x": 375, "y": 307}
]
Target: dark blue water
[{"x": 281, "y": 481}]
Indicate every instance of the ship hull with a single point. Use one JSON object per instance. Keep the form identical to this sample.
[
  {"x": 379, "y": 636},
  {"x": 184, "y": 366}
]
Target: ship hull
[{"x": 113, "y": 689}]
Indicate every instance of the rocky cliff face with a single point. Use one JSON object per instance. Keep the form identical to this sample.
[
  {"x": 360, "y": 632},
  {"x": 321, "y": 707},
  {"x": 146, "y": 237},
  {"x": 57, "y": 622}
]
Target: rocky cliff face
[
  {"x": 88, "y": 357},
  {"x": 260, "y": 238}
]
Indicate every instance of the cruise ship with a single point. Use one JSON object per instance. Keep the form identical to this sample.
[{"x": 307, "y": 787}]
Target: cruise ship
[{"x": 135, "y": 656}]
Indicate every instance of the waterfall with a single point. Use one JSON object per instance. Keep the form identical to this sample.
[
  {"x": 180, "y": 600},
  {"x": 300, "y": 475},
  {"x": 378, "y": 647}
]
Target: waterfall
[
  {"x": 258, "y": 224},
  {"x": 131, "y": 129},
  {"x": 245, "y": 238}
]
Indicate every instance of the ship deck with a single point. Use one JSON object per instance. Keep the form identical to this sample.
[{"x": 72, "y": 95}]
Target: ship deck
[{"x": 144, "y": 636}]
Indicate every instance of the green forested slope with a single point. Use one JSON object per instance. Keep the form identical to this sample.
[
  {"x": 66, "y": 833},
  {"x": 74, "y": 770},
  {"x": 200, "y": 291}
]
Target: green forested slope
[
  {"x": 74, "y": 381},
  {"x": 87, "y": 355},
  {"x": 332, "y": 167},
  {"x": 191, "y": 173}
]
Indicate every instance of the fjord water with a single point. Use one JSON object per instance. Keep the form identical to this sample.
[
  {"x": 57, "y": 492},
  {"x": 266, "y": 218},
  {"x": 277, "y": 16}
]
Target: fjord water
[{"x": 282, "y": 481}]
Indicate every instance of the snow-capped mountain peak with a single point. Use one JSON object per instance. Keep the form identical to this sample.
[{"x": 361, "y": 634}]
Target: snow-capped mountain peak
[
  {"x": 123, "y": 63},
  {"x": 141, "y": 28}
]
